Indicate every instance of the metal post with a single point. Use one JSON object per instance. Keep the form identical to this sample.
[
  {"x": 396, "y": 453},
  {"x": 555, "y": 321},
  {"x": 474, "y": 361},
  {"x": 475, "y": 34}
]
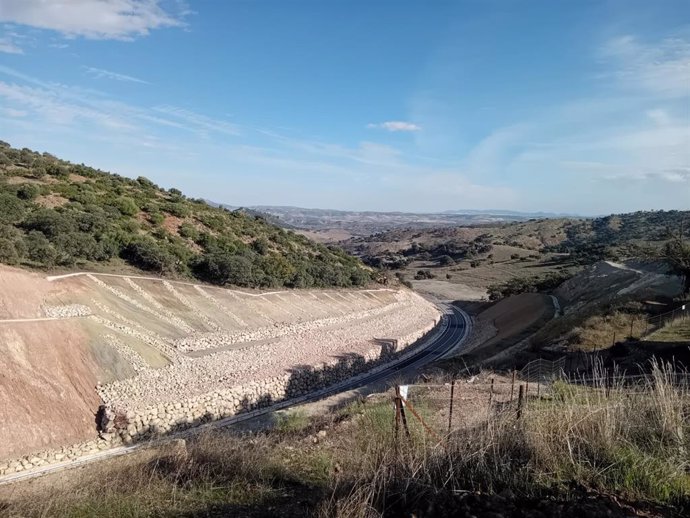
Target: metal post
[
  {"x": 450, "y": 411},
  {"x": 512, "y": 387}
]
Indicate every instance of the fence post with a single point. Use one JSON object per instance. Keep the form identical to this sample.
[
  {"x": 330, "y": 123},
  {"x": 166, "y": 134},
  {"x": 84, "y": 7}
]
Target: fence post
[
  {"x": 450, "y": 411},
  {"x": 491, "y": 393},
  {"x": 396, "y": 400},
  {"x": 512, "y": 387},
  {"x": 520, "y": 401},
  {"x": 632, "y": 319}
]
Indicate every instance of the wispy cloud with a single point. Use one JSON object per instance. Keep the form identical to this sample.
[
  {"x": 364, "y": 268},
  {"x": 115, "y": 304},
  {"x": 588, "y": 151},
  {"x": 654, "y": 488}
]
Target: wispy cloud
[
  {"x": 201, "y": 122},
  {"x": 662, "y": 68},
  {"x": 8, "y": 46},
  {"x": 70, "y": 105},
  {"x": 96, "y": 19},
  {"x": 100, "y": 73},
  {"x": 395, "y": 126}
]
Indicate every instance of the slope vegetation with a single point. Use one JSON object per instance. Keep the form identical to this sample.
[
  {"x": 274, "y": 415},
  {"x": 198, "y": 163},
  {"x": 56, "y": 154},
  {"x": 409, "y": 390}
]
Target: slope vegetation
[{"x": 58, "y": 214}]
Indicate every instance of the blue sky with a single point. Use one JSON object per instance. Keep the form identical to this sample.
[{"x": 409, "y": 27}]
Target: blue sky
[{"x": 566, "y": 106}]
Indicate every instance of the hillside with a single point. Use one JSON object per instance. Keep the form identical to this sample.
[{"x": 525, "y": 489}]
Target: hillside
[
  {"x": 509, "y": 258},
  {"x": 56, "y": 214}
]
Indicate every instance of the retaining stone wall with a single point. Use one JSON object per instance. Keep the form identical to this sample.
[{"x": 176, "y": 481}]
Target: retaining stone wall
[{"x": 125, "y": 426}]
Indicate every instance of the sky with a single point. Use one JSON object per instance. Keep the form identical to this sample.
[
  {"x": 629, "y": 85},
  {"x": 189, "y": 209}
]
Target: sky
[{"x": 560, "y": 106}]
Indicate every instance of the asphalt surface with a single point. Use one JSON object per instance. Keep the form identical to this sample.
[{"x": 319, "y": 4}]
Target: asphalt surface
[{"x": 450, "y": 333}]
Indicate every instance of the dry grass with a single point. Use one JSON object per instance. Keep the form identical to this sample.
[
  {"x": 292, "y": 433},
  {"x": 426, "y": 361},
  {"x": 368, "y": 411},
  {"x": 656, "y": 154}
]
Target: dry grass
[
  {"x": 676, "y": 331},
  {"x": 618, "y": 439}
]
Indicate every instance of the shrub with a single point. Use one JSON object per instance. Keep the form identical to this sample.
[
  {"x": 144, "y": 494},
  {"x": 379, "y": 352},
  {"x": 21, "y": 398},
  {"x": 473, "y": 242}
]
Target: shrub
[
  {"x": 446, "y": 260},
  {"x": 126, "y": 206},
  {"x": 188, "y": 231},
  {"x": 39, "y": 249},
  {"x": 28, "y": 191},
  {"x": 12, "y": 208},
  {"x": 178, "y": 209},
  {"x": 8, "y": 252},
  {"x": 148, "y": 255},
  {"x": 220, "y": 268}
]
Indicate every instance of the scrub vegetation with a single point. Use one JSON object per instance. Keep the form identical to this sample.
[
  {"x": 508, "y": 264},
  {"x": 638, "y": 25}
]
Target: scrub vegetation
[{"x": 59, "y": 214}]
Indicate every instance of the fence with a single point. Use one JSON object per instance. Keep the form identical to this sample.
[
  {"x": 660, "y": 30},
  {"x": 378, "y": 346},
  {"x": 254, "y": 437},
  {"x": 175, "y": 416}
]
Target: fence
[
  {"x": 658, "y": 321},
  {"x": 436, "y": 411}
]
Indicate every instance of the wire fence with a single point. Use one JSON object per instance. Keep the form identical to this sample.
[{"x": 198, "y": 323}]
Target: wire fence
[
  {"x": 438, "y": 410},
  {"x": 656, "y": 322}
]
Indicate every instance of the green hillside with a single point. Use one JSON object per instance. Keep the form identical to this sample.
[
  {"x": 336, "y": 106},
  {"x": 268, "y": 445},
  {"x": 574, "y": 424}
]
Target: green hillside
[{"x": 57, "y": 214}]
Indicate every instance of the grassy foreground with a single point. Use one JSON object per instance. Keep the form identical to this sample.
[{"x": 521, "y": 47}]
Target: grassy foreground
[{"x": 596, "y": 448}]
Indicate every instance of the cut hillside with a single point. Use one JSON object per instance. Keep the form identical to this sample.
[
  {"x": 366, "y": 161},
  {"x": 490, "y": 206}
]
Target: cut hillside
[
  {"x": 608, "y": 302},
  {"x": 173, "y": 354},
  {"x": 59, "y": 215},
  {"x": 498, "y": 260}
]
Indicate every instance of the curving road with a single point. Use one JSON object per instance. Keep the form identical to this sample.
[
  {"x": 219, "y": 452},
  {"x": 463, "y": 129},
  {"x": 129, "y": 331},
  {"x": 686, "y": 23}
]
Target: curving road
[{"x": 449, "y": 334}]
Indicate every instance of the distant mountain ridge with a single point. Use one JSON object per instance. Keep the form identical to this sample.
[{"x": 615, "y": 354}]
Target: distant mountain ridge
[{"x": 372, "y": 222}]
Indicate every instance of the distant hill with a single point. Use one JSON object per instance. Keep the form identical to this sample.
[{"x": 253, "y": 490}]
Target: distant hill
[
  {"x": 584, "y": 241},
  {"x": 57, "y": 214},
  {"x": 364, "y": 223}
]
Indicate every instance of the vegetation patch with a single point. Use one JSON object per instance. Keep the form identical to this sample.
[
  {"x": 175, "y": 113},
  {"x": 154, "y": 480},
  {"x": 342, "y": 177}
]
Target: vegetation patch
[{"x": 59, "y": 214}]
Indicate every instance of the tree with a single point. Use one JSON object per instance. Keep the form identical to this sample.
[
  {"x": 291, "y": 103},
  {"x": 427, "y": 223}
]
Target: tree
[
  {"x": 12, "y": 209},
  {"x": 446, "y": 260},
  {"x": 221, "y": 268},
  {"x": 677, "y": 255},
  {"x": 8, "y": 252},
  {"x": 146, "y": 254},
  {"x": 39, "y": 249}
]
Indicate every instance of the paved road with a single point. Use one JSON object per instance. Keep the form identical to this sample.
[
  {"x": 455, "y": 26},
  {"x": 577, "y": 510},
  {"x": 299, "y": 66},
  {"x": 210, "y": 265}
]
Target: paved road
[{"x": 452, "y": 330}]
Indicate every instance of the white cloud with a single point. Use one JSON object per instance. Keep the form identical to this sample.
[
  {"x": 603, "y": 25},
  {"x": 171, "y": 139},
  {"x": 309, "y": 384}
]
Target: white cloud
[
  {"x": 69, "y": 105},
  {"x": 100, "y": 73},
  {"x": 11, "y": 112},
  {"x": 201, "y": 122},
  {"x": 96, "y": 19},
  {"x": 662, "y": 69},
  {"x": 395, "y": 126},
  {"x": 8, "y": 46}
]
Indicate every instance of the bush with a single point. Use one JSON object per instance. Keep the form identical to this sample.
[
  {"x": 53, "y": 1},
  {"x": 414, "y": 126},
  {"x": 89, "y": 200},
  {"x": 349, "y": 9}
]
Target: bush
[
  {"x": 178, "y": 209},
  {"x": 12, "y": 209},
  {"x": 188, "y": 231},
  {"x": 148, "y": 255},
  {"x": 126, "y": 206},
  {"x": 8, "y": 252},
  {"x": 220, "y": 268},
  {"x": 28, "y": 191},
  {"x": 39, "y": 249},
  {"x": 446, "y": 260}
]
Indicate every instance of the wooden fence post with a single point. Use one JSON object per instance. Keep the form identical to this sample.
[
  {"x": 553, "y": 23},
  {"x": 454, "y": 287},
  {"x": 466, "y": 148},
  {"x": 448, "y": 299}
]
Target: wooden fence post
[
  {"x": 512, "y": 387},
  {"x": 521, "y": 396},
  {"x": 491, "y": 393},
  {"x": 450, "y": 411},
  {"x": 396, "y": 400}
]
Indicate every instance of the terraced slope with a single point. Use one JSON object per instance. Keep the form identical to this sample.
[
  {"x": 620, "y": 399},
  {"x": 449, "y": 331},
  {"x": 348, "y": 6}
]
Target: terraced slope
[{"x": 71, "y": 343}]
